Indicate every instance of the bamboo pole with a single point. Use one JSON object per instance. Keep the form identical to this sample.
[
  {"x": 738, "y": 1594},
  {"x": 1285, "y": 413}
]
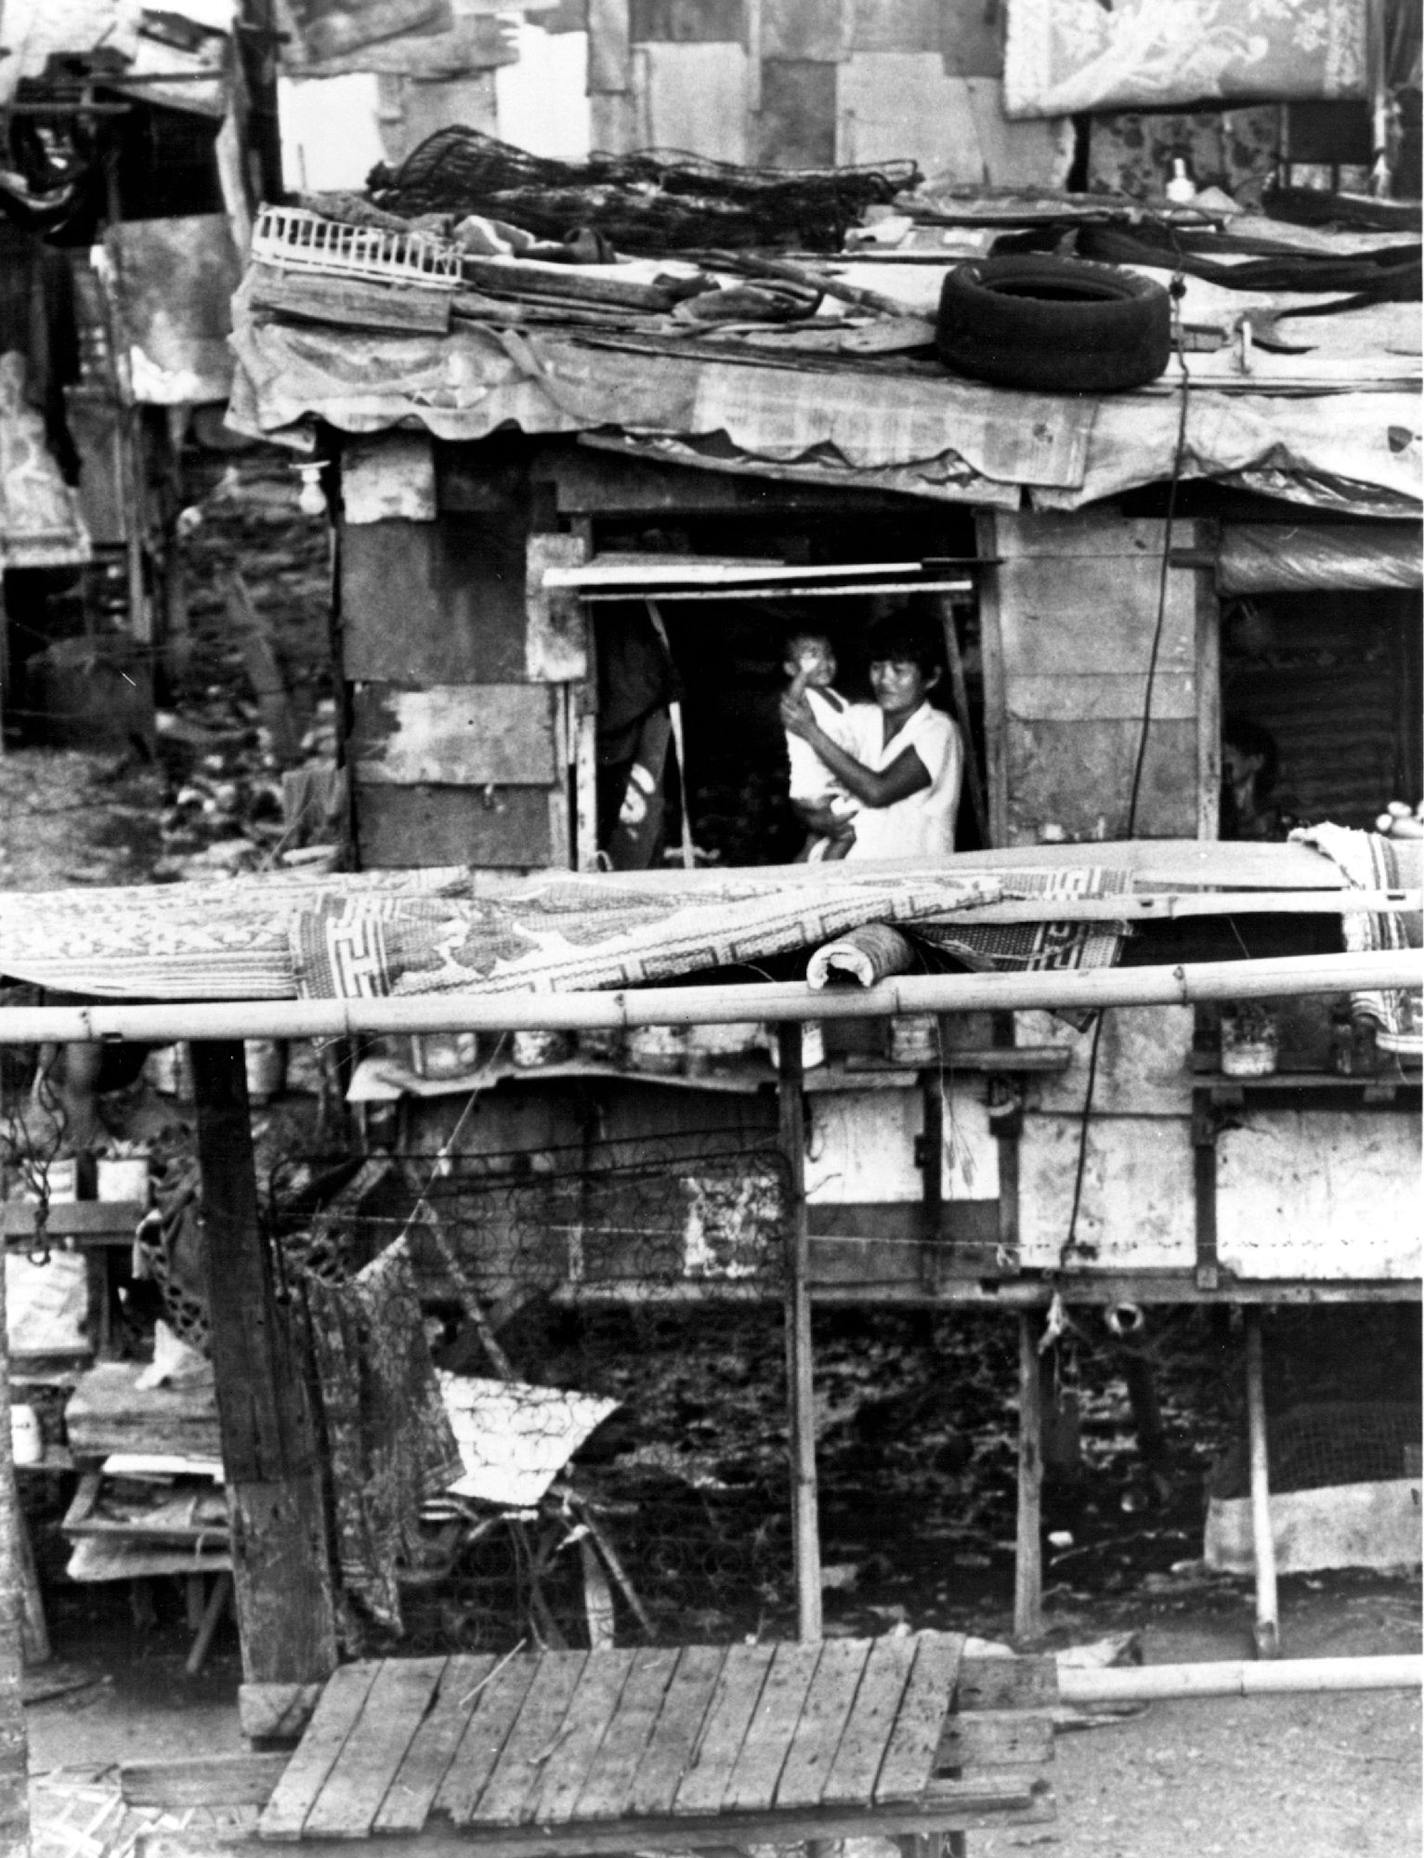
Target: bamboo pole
[
  {"x": 1240, "y": 1678},
  {"x": 780, "y": 1002},
  {"x": 1028, "y": 1545},
  {"x": 1268, "y": 1643},
  {"x": 801, "y": 1431}
]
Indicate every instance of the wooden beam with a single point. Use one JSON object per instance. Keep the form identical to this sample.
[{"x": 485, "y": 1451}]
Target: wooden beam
[
  {"x": 1028, "y": 1557},
  {"x": 805, "y": 1523},
  {"x": 282, "y": 1575},
  {"x": 1268, "y": 1644},
  {"x": 14, "y": 1745}
]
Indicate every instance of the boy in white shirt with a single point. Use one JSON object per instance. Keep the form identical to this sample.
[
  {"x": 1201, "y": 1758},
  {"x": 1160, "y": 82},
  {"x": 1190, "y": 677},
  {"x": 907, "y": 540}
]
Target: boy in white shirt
[
  {"x": 821, "y": 802},
  {"x": 907, "y": 763}
]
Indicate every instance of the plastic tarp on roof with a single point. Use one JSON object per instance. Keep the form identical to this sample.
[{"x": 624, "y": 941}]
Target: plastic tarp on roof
[
  {"x": 1303, "y": 557},
  {"x": 942, "y": 437}
]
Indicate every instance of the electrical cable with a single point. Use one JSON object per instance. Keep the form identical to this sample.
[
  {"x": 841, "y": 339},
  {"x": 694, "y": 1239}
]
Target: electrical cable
[{"x": 1178, "y": 291}]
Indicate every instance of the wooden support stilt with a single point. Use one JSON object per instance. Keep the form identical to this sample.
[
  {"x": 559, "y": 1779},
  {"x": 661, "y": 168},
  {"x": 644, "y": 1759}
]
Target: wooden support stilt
[
  {"x": 1028, "y": 1555},
  {"x": 1268, "y": 1643},
  {"x": 805, "y": 1524},
  {"x": 14, "y": 1748},
  {"x": 281, "y": 1565},
  {"x": 959, "y": 693}
]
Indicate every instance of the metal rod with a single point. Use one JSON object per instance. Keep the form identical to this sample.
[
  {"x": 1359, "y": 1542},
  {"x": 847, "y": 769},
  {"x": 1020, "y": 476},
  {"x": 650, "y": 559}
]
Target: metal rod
[
  {"x": 1240, "y": 1678},
  {"x": 1268, "y": 1644},
  {"x": 779, "y": 1002}
]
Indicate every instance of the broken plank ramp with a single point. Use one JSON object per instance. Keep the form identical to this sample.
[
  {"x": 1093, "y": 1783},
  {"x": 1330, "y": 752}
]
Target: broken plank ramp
[{"x": 580, "y": 1751}]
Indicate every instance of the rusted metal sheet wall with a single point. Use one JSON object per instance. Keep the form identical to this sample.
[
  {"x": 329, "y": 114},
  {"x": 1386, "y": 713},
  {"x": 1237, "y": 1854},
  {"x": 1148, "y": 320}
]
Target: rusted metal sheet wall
[{"x": 457, "y": 675}]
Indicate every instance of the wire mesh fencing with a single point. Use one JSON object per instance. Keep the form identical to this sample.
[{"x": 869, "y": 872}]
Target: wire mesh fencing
[{"x": 614, "y": 1303}]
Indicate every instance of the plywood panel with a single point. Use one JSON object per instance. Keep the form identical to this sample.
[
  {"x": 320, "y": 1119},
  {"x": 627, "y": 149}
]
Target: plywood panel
[
  {"x": 434, "y": 603},
  {"x": 1078, "y": 595},
  {"x": 1327, "y": 1195},
  {"x": 688, "y": 22},
  {"x": 906, "y": 103},
  {"x": 696, "y": 98},
  {"x": 403, "y": 827},
  {"x": 797, "y": 126},
  {"x": 454, "y": 735},
  {"x": 814, "y": 29},
  {"x": 1104, "y": 696},
  {"x": 896, "y": 25},
  {"x": 1079, "y": 776},
  {"x": 861, "y": 1147},
  {"x": 1137, "y": 1207},
  {"x": 1144, "y": 1061},
  {"x": 388, "y": 478}
]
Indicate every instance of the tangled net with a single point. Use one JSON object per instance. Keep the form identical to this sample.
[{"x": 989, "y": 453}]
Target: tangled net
[{"x": 653, "y": 200}]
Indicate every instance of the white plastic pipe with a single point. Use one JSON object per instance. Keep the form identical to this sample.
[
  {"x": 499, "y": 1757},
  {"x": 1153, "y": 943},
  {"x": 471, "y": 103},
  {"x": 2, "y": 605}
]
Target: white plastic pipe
[
  {"x": 713, "y": 1005},
  {"x": 1240, "y": 1678}
]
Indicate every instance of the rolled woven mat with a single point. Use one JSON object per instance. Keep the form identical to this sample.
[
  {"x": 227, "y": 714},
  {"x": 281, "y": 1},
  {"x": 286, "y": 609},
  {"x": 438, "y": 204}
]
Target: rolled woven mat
[{"x": 867, "y": 955}]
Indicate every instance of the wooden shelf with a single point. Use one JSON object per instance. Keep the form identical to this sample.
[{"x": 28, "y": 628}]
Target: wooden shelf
[
  {"x": 1375, "y": 1087},
  {"x": 380, "y": 1081}
]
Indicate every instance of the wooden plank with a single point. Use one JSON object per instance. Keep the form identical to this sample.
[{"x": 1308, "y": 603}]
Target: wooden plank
[
  {"x": 203, "y": 1780},
  {"x": 997, "y": 1739},
  {"x": 495, "y": 1710},
  {"x": 276, "y": 1712},
  {"x": 1005, "y": 1799},
  {"x": 88, "y": 1221},
  {"x": 357, "y": 1784},
  {"x": 556, "y": 636},
  {"x": 689, "y": 1696},
  {"x": 610, "y": 1776},
  {"x": 872, "y": 1719},
  {"x": 823, "y": 1719},
  {"x": 453, "y": 735},
  {"x": 334, "y": 1718},
  {"x": 504, "y": 828},
  {"x": 589, "y": 1718},
  {"x": 1029, "y": 1681},
  {"x": 534, "y": 1739},
  {"x": 753, "y": 1782},
  {"x": 744, "y": 1670},
  {"x": 417, "y": 1780},
  {"x": 915, "y": 1739}
]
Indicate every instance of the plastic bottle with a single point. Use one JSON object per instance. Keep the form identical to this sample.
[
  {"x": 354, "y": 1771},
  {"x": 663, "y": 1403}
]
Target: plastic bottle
[{"x": 1181, "y": 188}]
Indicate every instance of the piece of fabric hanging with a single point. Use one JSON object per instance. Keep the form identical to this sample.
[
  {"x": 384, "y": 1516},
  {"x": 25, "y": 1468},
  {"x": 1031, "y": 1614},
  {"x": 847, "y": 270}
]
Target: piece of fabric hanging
[{"x": 388, "y": 1434}]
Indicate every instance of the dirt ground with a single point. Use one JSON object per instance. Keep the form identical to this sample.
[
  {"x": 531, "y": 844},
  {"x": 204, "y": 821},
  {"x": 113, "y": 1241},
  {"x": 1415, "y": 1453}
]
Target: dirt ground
[{"x": 1301, "y": 1776}]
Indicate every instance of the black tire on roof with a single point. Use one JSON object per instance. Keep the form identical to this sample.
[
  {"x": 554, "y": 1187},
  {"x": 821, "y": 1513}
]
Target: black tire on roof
[{"x": 1053, "y": 325}]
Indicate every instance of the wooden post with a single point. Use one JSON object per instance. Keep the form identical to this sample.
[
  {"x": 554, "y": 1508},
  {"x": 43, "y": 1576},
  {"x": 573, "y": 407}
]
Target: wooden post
[
  {"x": 281, "y": 1567},
  {"x": 1028, "y": 1555},
  {"x": 1268, "y": 1644},
  {"x": 805, "y": 1525},
  {"x": 14, "y": 1748},
  {"x": 959, "y": 693}
]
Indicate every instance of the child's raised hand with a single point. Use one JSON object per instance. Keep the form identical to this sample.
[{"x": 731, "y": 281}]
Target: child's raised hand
[{"x": 796, "y": 715}]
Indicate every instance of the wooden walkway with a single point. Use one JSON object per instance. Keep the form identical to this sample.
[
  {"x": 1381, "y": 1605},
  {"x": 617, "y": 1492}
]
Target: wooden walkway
[{"x": 616, "y": 1750}]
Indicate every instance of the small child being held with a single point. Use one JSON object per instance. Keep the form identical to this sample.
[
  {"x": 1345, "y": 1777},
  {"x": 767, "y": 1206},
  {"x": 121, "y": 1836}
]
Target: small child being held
[{"x": 821, "y": 802}]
